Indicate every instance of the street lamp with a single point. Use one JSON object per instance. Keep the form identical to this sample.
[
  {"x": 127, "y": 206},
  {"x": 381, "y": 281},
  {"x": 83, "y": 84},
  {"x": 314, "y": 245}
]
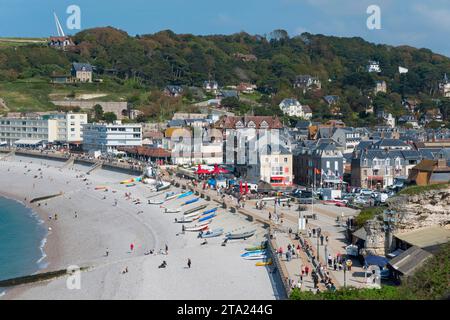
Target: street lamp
[
  {"x": 318, "y": 259},
  {"x": 345, "y": 278}
]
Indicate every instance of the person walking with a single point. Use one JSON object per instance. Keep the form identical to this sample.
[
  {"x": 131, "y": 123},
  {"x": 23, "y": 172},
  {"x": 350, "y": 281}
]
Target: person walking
[
  {"x": 314, "y": 232},
  {"x": 309, "y": 232},
  {"x": 167, "y": 249},
  {"x": 189, "y": 263},
  {"x": 321, "y": 239},
  {"x": 131, "y": 247},
  {"x": 306, "y": 270}
]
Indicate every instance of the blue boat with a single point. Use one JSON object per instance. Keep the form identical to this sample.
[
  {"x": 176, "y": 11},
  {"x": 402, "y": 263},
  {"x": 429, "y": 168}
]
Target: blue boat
[
  {"x": 207, "y": 217},
  {"x": 253, "y": 253},
  {"x": 186, "y": 194},
  {"x": 209, "y": 211},
  {"x": 190, "y": 201}
]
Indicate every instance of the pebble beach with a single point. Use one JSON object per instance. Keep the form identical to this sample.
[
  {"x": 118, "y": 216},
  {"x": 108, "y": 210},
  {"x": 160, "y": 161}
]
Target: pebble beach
[{"x": 92, "y": 222}]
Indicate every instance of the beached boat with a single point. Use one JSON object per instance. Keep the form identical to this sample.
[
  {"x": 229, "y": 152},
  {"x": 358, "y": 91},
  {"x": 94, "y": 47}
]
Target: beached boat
[
  {"x": 200, "y": 227},
  {"x": 243, "y": 235},
  {"x": 155, "y": 201},
  {"x": 127, "y": 181},
  {"x": 186, "y": 194},
  {"x": 187, "y": 219},
  {"x": 253, "y": 253},
  {"x": 169, "y": 210},
  {"x": 130, "y": 185},
  {"x": 195, "y": 209},
  {"x": 207, "y": 217},
  {"x": 264, "y": 263},
  {"x": 163, "y": 186},
  {"x": 256, "y": 257},
  {"x": 191, "y": 201},
  {"x": 257, "y": 248},
  {"x": 204, "y": 213},
  {"x": 193, "y": 214},
  {"x": 171, "y": 197},
  {"x": 212, "y": 233},
  {"x": 101, "y": 188}
]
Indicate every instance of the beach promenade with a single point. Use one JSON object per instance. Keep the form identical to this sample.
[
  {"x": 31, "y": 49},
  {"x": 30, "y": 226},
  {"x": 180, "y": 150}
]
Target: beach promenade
[{"x": 326, "y": 220}]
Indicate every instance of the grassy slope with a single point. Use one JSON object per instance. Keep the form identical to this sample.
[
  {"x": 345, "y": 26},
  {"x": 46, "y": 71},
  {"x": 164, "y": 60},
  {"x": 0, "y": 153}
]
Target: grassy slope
[{"x": 36, "y": 94}]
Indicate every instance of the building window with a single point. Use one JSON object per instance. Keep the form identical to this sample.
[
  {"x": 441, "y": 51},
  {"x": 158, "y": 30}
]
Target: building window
[
  {"x": 285, "y": 160},
  {"x": 328, "y": 165}
]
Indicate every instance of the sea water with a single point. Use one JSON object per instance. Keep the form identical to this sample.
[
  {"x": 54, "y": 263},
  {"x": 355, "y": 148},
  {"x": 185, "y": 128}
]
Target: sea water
[{"x": 22, "y": 239}]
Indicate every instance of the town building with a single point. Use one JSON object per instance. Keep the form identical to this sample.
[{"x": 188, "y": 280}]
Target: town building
[
  {"x": 379, "y": 166},
  {"x": 60, "y": 43},
  {"x": 107, "y": 137},
  {"x": 318, "y": 163},
  {"x": 307, "y": 82},
  {"x": 293, "y": 108},
  {"x": 173, "y": 91},
  {"x": 276, "y": 167},
  {"x": 82, "y": 72},
  {"x": 380, "y": 86},
  {"x": 246, "y": 88},
  {"x": 211, "y": 86},
  {"x": 32, "y": 129},
  {"x": 246, "y": 138},
  {"x": 194, "y": 145},
  {"x": 429, "y": 172},
  {"x": 444, "y": 87},
  {"x": 373, "y": 66}
]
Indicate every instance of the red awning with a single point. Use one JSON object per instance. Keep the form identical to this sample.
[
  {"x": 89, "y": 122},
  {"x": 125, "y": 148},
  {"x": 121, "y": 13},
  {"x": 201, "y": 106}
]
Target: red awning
[{"x": 277, "y": 178}]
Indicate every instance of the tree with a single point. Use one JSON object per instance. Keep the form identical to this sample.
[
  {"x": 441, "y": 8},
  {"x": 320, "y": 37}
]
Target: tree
[
  {"x": 230, "y": 103},
  {"x": 109, "y": 117},
  {"x": 98, "y": 112}
]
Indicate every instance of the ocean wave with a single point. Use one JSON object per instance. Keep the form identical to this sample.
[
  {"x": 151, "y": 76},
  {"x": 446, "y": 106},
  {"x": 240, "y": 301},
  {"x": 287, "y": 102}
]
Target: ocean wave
[{"x": 41, "y": 263}]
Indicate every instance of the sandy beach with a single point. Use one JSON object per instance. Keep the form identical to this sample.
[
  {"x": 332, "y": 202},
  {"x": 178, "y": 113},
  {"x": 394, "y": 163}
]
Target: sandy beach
[{"x": 89, "y": 223}]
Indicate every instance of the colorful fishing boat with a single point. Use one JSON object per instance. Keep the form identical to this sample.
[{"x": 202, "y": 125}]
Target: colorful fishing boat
[
  {"x": 130, "y": 185},
  {"x": 101, "y": 188},
  {"x": 264, "y": 263},
  {"x": 186, "y": 194},
  {"x": 195, "y": 209},
  {"x": 256, "y": 248},
  {"x": 209, "y": 211},
  {"x": 253, "y": 253},
  {"x": 207, "y": 217},
  {"x": 190, "y": 201}
]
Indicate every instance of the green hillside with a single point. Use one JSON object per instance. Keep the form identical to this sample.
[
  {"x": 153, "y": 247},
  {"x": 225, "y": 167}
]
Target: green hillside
[{"x": 156, "y": 60}]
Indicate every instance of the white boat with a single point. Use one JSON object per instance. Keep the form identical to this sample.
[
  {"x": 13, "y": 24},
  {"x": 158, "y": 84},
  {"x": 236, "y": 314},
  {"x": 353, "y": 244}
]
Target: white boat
[
  {"x": 186, "y": 219},
  {"x": 155, "y": 201},
  {"x": 189, "y": 216},
  {"x": 197, "y": 228},
  {"x": 256, "y": 257},
  {"x": 169, "y": 210}
]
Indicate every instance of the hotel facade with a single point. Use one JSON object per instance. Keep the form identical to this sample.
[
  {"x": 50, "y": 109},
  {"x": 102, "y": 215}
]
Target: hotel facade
[
  {"x": 107, "y": 137},
  {"x": 40, "y": 128}
]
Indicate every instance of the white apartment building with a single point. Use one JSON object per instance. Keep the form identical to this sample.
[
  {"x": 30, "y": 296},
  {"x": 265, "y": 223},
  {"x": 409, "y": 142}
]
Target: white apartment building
[
  {"x": 106, "y": 137},
  {"x": 33, "y": 129}
]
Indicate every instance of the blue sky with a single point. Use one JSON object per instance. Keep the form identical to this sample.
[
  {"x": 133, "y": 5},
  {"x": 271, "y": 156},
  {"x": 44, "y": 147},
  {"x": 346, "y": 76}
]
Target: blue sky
[{"x": 419, "y": 23}]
